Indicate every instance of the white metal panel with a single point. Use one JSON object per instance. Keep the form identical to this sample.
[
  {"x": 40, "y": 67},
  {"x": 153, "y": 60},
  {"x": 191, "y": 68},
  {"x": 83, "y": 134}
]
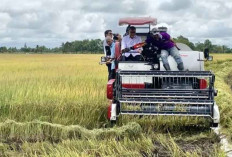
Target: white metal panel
[
  {"x": 183, "y": 47},
  {"x": 137, "y": 67},
  {"x": 134, "y": 66},
  {"x": 113, "y": 112},
  {"x": 216, "y": 113},
  {"x": 193, "y": 61},
  {"x": 136, "y": 80}
]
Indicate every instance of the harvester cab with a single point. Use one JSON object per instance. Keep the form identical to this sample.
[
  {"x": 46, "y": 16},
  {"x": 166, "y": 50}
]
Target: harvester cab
[{"x": 146, "y": 88}]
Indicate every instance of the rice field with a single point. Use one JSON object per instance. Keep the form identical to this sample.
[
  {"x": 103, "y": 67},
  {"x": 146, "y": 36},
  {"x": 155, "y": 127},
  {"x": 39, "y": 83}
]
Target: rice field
[
  {"x": 55, "y": 105},
  {"x": 53, "y": 88}
]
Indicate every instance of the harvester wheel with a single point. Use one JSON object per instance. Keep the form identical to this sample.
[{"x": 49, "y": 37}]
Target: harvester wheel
[
  {"x": 215, "y": 125},
  {"x": 113, "y": 123}
]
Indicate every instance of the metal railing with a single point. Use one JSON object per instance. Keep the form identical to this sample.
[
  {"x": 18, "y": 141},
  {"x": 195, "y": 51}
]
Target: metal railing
[{"x": 169, "y": 93}]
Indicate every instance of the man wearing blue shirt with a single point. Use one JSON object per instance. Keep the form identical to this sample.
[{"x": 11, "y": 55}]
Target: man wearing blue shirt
[
  {"x": 111, "y": 44},
  {"x": 107, "y": 50}
]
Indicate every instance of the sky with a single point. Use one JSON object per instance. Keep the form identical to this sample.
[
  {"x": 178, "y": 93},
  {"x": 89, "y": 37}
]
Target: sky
[{"x": 51, "y": 22}]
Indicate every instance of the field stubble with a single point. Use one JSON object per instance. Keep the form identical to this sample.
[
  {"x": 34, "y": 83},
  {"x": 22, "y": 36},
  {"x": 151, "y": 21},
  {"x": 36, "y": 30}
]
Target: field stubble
[{"x": 48, "y": 103}]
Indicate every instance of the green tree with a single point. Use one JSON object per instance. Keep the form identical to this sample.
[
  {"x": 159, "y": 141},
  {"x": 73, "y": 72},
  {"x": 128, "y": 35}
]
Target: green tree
[
  {"x": 199, "y": 46},
  {"x": 208, "y": 44},
  {"x": 184, "y": 40},
  {"x": 3, "y": 49}
]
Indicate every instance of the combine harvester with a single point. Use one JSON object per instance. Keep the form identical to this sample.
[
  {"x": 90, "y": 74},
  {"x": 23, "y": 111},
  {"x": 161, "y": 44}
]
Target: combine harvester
[{"x": 145, "y": 88}]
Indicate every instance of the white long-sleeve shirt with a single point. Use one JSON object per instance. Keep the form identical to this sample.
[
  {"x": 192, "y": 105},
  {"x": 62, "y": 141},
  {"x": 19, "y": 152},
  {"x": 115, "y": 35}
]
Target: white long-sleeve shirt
[
  {"x": 104, "y": 46},
  {"x": 128, "y": 42}
]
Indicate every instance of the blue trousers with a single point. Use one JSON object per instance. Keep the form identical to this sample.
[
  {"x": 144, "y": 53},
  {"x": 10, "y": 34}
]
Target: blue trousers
[{"x": 173, "y": 52}]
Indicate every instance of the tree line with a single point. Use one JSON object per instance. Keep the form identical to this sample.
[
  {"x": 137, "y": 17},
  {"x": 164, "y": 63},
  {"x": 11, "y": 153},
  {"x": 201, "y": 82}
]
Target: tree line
[
  {"x": 94, "y": 46},
  {"x": 201, "y": 46},
  {"x": 78, "y": 46}
]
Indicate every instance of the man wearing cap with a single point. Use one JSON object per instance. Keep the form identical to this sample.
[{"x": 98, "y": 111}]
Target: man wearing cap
[
  {"x": 163, "y": 41},
  {"x": 129, "y": 41}
]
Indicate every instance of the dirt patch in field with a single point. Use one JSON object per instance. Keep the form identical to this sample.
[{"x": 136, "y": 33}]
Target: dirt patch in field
[
  {"x": 192, "y": 140},
  {"x": 206, "y": 145},
  {"x": 203, "y": 147}
]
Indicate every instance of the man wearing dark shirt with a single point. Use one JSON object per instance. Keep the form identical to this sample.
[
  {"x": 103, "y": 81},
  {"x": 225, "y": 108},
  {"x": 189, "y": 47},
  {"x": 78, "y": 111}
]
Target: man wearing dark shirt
[{"x": 163, "y": 41}]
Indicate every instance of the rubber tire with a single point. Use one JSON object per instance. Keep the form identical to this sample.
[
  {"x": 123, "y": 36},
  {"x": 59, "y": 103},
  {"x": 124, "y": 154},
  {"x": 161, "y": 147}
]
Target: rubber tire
[
  {"x": 215, "y": 125},
  {"x": 113, "y": 123}
]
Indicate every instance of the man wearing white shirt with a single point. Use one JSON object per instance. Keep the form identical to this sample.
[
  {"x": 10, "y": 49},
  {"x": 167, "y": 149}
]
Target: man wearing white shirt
[{"x": 129, "y": 41}]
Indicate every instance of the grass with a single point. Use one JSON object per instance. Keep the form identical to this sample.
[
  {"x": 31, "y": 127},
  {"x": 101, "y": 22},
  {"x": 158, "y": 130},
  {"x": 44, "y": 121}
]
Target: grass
[
  {"x": 221, "y": 56},
  {"x": 222, "y": 70},
  {"x": 55, "y": 105},
  {"x": 44, "y": 131}
]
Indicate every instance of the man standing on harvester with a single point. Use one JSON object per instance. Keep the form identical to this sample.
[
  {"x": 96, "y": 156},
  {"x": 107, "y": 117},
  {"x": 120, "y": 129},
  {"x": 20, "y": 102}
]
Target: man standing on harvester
[{"x": 163, "y": 41}]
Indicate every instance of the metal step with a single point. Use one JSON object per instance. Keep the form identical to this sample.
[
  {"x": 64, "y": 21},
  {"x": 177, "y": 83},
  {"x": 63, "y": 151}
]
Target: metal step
[
  {"x": 164, "y": 113},
  {"x": 168, "y": 108},
  {"x": 167, "y": 73},
  {"x": 179, "y": 95},
  {"x": 165, "y": 96},
  {"x": 164, "y": 90},
  {"x": 165, "y": 101}
]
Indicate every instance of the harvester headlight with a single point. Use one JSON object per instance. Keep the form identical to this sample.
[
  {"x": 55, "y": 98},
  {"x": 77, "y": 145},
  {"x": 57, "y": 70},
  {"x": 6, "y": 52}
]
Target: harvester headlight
[
  {"x": 103, "y": 59},
  {"x": 156, "y": 66}
]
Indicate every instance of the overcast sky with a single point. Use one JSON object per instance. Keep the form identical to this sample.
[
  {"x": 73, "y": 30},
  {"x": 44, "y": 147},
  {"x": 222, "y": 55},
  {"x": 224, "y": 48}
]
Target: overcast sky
[{"x": 51, "y": 22}]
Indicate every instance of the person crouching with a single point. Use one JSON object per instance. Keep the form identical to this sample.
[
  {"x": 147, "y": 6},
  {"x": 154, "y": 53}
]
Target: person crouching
[{"x": 163, "y": 41}]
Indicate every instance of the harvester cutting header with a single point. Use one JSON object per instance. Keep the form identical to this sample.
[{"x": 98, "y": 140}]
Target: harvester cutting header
[{"x": 162, "y": 81}]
